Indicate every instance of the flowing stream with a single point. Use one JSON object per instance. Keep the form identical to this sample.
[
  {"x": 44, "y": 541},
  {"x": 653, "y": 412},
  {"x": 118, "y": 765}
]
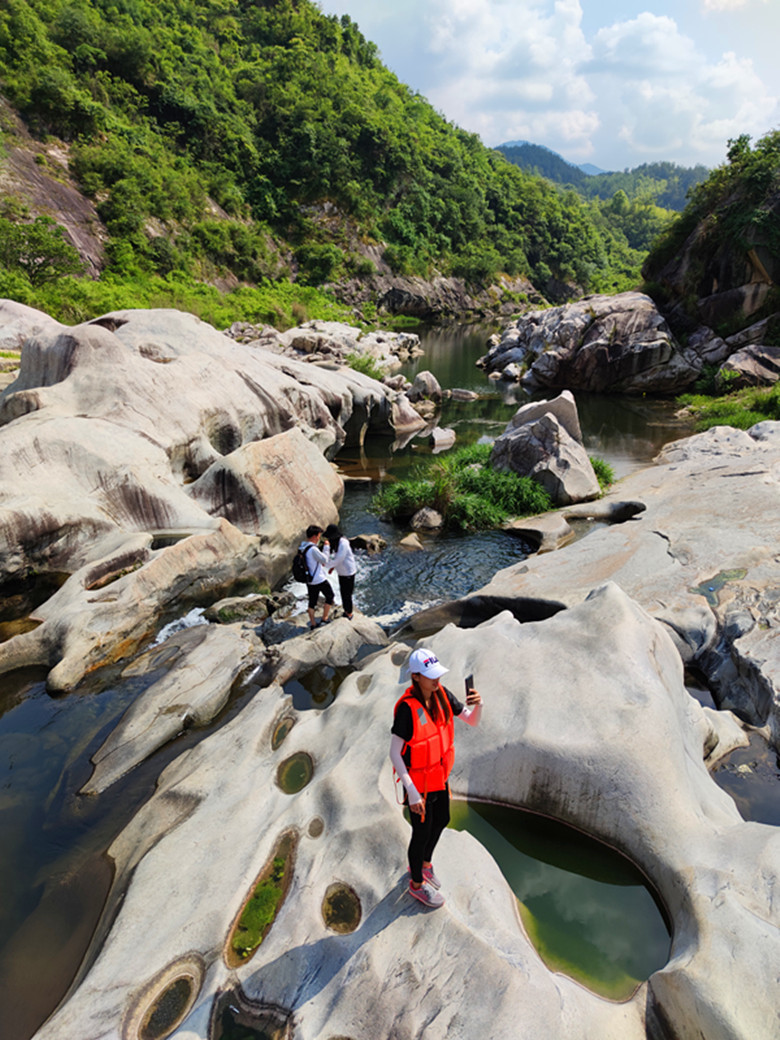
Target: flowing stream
[{"x": 54, "y": 874}]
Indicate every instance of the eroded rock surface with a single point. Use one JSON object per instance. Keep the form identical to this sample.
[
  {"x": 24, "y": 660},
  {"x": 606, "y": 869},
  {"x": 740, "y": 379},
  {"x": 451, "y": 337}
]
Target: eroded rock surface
[
  {"x": 702, "y": 556},
  {"x": 608, "y": 740},
  {"x": 617, "y": 344},
  {"x": 543, "y": 440},
  {"x": 144, "y": 423}
]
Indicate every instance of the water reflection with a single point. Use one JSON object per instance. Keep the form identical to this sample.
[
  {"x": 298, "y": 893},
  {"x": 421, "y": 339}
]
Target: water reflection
[
  {"x": 751, "y": 775},
  {"x": 587, "y": 909}
]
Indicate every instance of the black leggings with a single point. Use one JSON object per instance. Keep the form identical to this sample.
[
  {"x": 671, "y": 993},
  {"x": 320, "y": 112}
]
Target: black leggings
[
  {"x": 426, "y": 833},
  {"x": 346, "y": 585}
]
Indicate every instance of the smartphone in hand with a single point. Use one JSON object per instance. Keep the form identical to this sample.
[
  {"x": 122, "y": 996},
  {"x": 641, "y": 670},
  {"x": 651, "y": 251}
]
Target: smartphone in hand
[{"x": 469, "y": 683}]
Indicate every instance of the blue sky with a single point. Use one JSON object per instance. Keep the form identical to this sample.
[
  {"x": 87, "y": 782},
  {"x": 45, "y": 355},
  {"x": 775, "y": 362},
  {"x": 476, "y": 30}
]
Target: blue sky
[{"x": 615, "y": 83}]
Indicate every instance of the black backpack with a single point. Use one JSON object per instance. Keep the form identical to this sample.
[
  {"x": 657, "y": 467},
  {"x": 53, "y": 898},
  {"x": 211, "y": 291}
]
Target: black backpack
[{"x": 300, "y": 567}]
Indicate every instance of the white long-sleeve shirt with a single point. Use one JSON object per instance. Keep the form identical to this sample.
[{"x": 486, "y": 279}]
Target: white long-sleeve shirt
[
  {"x": 342, "y": 560},
  {"x": 315, "y": 561}
]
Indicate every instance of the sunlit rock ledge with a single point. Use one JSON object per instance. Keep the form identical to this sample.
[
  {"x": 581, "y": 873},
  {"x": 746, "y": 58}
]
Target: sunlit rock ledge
[
  {"x": 586, "y": 718},
  {"x": 701, "y": 556},
  {"x": 149, "y": 422}
]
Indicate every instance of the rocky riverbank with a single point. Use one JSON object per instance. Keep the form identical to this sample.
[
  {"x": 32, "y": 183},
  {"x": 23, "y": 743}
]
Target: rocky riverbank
[{"x": 149, "y": 423}]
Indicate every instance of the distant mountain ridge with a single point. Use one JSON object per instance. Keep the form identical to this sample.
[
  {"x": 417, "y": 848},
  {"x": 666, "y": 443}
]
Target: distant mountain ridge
[{"x": 666, "y": 182}]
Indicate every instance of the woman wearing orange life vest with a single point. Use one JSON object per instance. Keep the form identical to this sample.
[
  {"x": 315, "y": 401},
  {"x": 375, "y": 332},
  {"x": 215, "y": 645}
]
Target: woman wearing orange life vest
[{"x": 422, "y": 753}]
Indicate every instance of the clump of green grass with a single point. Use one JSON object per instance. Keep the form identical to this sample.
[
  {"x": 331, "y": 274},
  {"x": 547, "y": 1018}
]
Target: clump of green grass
[
  {"x": 366, "y": 364},
  {"x": 741, "y": 408},
  {"x": 605, "y": 474},
  {"x": 263, "y": 905},
  {"x": 260, "y": 911},
  {"x": 462, "y": 486}
]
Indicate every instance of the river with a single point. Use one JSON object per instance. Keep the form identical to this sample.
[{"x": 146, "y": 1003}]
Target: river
[{"x": 53, "y": 872}]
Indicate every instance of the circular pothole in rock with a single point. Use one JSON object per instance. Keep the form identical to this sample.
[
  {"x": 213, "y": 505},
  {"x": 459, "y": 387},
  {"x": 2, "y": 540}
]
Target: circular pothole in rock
[
  {"x": 316, "y": 827},
  {"x": 295, "y": 772},
  {"x": 281, "y": 730},
  {"x": 165, "y": 1002},
  {"x": 341, "y": 910}
]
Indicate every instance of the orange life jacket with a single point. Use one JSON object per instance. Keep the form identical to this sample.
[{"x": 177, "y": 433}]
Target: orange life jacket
[{"x": 431, "y": 748}]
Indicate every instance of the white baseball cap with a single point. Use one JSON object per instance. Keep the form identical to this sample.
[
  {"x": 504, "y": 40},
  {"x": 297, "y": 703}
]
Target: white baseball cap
[{"x": 425, "y": 662}]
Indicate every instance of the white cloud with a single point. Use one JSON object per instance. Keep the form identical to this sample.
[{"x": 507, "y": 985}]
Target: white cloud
[
  {"x": 507, "y": 69},
  {"x": 638, "y": 89},
  {"x": 662, "y": 97},
  {"x": 727, "y": 5}
]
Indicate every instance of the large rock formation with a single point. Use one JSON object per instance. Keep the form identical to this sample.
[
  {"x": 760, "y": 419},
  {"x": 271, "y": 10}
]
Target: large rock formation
[
  {"x": 701, "y": 557},
  {"x": 608, "y": 740},
  {"x": 543, "y": 441},
  {"x": 144, "y": 423},
  {"x": 616, "y": 344}
]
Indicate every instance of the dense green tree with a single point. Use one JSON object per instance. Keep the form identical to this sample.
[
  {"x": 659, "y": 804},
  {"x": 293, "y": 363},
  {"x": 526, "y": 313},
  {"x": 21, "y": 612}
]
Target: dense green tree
[
  {"x": 37, "y": 249},
  {"x": 268, "y": 113}
]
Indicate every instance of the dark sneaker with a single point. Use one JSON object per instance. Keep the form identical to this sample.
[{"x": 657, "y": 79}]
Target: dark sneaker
[{"x": 428, "y": 896}]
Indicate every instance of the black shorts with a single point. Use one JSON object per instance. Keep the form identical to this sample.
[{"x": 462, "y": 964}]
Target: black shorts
[{"x": 325, "y": 588}]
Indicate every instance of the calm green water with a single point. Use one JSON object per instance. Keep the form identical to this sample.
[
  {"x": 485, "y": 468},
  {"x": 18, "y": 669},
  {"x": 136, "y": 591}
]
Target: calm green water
[
  {"x": 585, "y": 907},
  {"x": 393, "y": 585}
]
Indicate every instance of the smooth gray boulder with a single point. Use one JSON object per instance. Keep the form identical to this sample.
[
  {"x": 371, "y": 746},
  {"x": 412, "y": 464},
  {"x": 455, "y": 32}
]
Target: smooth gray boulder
[
  {"x": 425, "y": 387},
  {"x": 441, "y": 439},
  {"x": 753, "y": 365},
  {"x": 563, "y": 407},
  {"x": 18, "y": 323},
  {"x": 543, "y": 440},
  {"x": 608, "y": 740}
]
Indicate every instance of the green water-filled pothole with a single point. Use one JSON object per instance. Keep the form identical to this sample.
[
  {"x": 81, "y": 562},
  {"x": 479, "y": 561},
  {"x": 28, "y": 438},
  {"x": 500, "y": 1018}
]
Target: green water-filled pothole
[
  {"x": 295, "y": 772},
  {"x": 711, "y": 588},
  {"x": 163, "y": 1004},
  {"x": 587, "y": 909},
  {"x": 316, "y": 689},
  {"x": 282, "y": 728},
  {"x": 341, "y": 909},
  {"x": 263, "y": 903}
]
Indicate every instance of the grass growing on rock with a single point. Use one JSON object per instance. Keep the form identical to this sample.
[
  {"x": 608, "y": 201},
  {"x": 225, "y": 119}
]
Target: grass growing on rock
[
  {"x": 741, "y": 408},
  {"x": 260, "y": 910},
  {"x": 469, "y": 494},
  {"x": 605, "y": 474},
  {"x": 366, "y": 364}
]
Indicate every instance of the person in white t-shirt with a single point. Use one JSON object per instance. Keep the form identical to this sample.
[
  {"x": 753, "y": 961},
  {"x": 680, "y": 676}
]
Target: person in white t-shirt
[{"x": 316, "y": 560}]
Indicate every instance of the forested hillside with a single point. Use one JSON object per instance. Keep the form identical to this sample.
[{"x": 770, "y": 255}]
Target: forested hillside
[
  {"x": 666, "y": 183},
  {"x": 260, "y": 139},
  {"x": 720, "y": 261}
]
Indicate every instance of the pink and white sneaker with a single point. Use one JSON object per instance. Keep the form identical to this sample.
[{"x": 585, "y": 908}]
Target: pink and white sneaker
[
  {"x": 429, "y": 876},
  {"x": 427, "y": 895}
]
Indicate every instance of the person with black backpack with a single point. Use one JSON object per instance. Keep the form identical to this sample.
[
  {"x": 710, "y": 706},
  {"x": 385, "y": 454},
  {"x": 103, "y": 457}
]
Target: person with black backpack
[{"x": 316, "y": 582}]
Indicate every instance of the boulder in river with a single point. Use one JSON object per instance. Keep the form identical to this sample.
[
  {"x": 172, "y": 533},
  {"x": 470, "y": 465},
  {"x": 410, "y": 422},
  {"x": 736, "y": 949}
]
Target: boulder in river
[
  {"x": 543, "y": 441},
  {"x": 615, "y": 344}
]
